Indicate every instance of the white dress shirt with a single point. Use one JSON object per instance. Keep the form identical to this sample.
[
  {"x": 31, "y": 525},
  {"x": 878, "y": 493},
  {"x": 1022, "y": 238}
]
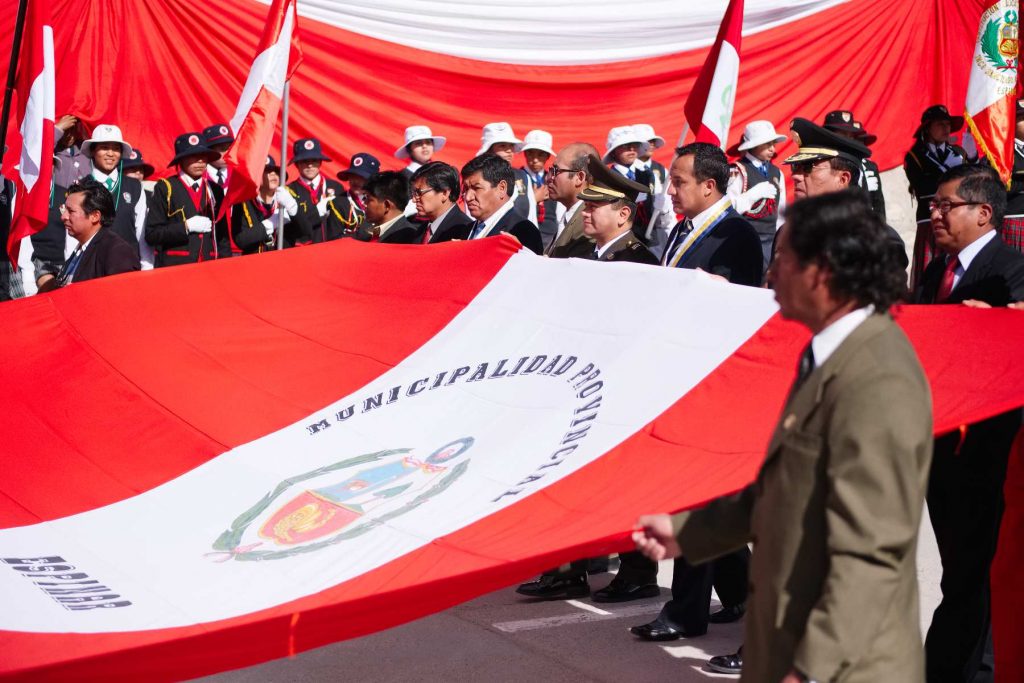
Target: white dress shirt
[
  {"x": 968, "y": 253},
  {"x": 828, "y": 340},
  {"x": 492, "y": 220}
]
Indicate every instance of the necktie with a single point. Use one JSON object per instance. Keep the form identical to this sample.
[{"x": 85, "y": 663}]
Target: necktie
[
  {"x": 195, "y": 187},
  {"x": 70, "y": 267},
  {"x": 477, "y": 229},
  {"x": 596, "y": 255},
  {"x": 631, "y": 174},
  {"x": 805, "y": 367},
  {"x": 109, "y": 183},
  {"x": 220, "y": 176},
  {"x": 946, "y": 286},
  {"x": 678, "y": 240},
  {"x": 941, "y": 153}
]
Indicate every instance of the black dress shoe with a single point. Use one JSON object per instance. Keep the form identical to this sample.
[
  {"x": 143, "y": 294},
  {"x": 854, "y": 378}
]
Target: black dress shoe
[
  {"x": 622, "y": 591},
  {"x": 659, "y": 631},
  {"x": 555, "y": 587},
  {"x": 728, "y": 615},
  {"x": 727, "y": 664}
]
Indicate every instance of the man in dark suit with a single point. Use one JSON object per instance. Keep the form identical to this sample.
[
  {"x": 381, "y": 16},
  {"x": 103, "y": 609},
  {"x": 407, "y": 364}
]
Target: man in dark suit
[
  {"x": 567, "y": 177},
  {"x": 88, "y": 216},
  {"x": 965, "y": 491},
  {"x": 487, "y": 182},
  {"x": 716, "y": 239},
  {"x": 182, "y": 224},
  {"x": 387, "y": 194},
  {"x": 836, "y": 507},
  {"x": 435, "y": 191},
  {"x": 609, "y": 205}
]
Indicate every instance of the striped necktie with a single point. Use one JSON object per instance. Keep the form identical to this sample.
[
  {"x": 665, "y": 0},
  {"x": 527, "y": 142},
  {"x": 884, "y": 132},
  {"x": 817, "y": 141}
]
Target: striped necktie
[
  {"x": 70, "y": 267},
  {"x": 109, "y": 182},
  {"x": 477, "y": 229}
]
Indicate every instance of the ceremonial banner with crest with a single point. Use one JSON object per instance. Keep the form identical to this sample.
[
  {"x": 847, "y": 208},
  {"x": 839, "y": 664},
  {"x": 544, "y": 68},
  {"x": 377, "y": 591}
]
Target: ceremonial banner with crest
[
  {"x": 318, "y": 443},
  {"x": 990, "y": 110}
]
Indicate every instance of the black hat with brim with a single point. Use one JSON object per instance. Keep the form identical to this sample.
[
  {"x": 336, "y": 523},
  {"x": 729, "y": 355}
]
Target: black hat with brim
[
  {"x": 308, "y": 149},
  {"x": 135, "y": 160},
  {"x": 938, "y": 112},
  {"x": 217, "y": 134},
  {"x": 817, "y": 142},
  {"x": 190, "y": 145},
  {"x": 607, "y": 185},
  {"x": 362, "y": 165}
]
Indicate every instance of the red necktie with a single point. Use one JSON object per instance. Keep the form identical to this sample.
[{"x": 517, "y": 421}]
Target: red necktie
[{"x": 946, "y": 286}]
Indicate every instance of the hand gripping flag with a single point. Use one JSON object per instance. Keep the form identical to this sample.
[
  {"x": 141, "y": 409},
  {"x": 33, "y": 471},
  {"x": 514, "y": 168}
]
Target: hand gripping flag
[
  {"x": 709, "y": 106},
  {"x": 991, "y": 92},
  {"x": 35, "y": 118},
  {"x": 245, "y": 476},
  {"x": 277, "y": 57}
]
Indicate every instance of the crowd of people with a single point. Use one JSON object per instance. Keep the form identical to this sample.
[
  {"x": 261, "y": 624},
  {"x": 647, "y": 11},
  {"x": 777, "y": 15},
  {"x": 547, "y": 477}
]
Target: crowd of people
[{"x": 837, "y": 504}]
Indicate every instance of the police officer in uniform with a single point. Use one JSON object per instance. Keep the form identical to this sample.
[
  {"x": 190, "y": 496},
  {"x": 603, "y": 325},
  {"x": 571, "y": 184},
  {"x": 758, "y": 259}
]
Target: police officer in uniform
[
  {"x": 317, "y": 219},
  {"x": 182, "y": 223},
  {"x": 609, "y": 205},
  {"x": 843, "y": 123},
  {"x": 932, "y": 155}
]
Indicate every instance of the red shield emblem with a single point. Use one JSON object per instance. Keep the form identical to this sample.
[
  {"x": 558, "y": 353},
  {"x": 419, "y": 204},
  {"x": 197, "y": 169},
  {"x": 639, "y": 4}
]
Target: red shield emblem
[{"x": 306, "y": 518}]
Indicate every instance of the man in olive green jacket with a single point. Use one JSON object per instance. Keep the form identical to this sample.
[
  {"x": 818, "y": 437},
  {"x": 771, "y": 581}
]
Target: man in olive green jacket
[{"x": 835, "y": 509}]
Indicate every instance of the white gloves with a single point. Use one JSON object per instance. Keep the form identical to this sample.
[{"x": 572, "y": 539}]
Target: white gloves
[
  {"x": 662, "y": 203},
  {"x": 762, "y": 191},
  {"x": 269, "y": 226},
  {"x": 321, "y": 206},
  {"x": 287, "y": 201},
  {"x": 199, "y": 224}
]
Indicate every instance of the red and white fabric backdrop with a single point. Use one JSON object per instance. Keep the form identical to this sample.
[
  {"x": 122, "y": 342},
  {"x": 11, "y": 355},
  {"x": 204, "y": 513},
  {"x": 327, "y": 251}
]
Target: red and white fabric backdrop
[{"x": 575, "y": 68}]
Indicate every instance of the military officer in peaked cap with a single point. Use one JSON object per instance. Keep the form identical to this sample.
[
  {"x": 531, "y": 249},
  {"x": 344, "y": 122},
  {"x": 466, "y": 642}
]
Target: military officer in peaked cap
[
  {"x": 843, "y": 122},
  {"x": 609, "y": 209},
  {"x": 931, "y": 155}
]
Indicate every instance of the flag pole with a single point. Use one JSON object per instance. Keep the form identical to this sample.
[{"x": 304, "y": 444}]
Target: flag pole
[
  {"x": 12, "y": 68},
  {"x": 284, "y": 161}
]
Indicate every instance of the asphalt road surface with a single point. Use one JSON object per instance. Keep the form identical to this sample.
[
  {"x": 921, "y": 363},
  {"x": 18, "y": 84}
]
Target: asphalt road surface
[{"x": 501, "y": 637}]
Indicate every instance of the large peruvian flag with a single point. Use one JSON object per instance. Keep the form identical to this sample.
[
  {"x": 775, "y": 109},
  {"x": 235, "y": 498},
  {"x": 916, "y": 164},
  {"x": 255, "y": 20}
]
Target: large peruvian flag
[
  {"x": 255, "y": 119},
  {"x": 710, "y": 104},
  {"x": 991, "y": 91},
  {"x": 34, "y": 136},
  {"x": 308, "y": 439}
]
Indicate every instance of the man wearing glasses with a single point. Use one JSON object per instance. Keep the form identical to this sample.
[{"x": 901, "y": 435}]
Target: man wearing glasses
[
  {"x": 965, "y": 491},
  {"x": 435, "y": 191},
  {"x": 566, "y": 178}
]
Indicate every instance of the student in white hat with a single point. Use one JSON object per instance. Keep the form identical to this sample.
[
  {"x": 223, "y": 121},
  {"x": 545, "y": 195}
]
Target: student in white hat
[
  {"x": 419, "y": 147},
  {"x": 756, "y": 186},
  {"x": 107, "y": 151},
  {"x": 537, "y": 151},
  {"x": 624, "y": 146},
  {"x": 499, "y": 139}
]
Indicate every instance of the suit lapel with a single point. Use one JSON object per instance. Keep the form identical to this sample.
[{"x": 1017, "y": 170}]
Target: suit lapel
[
  {"x": 979, "y": 266},
  {"x": 571, "y": 232}
]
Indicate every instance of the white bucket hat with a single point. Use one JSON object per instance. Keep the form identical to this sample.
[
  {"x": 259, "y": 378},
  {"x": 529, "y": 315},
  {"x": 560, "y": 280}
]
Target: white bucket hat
[
  {"x": 497, "y": 132},
  {"x": 759, "y": 133},
  {"x": 646, "y": 131},
  {"x": 537, "y": 139},
  {"x": 622, "y": 135},
  {"x": 414, "y": 133},
  {"x": 106, "y": 133}
]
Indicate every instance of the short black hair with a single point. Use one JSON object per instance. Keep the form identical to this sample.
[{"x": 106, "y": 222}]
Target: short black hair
[
  {"x": 629, "y": 204},
  {"x": 840, "y": 232},
  {"x": 440, "y": 177},
  {"x": 844, "y": 164},
  {"x": 389, "y": 185},
  {"x": 979, "y": 183},
  {"x": 96, "y": 198},
  {"x": 493, "y": 169},
  {"x": 709, "y": 163}
]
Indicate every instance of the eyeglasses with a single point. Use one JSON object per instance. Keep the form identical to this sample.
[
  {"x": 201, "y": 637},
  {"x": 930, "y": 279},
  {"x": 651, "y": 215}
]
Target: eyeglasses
[
  {"x": 554, "y": 171},
  {"x": 806, "y": 167},
  {"x": 420, "y": 193},
  {"x": 945, "y": 207}
]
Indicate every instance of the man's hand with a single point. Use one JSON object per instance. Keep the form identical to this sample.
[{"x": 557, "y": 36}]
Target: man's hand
[
  {"x": 974, "y": 303},
  {"x": 67, "y": 122},
  {"x": 713, "y": 276},
  {"x": 47, "y": 282},
  {"x": 1016, "y": 305},
  {"x": 654, "y": 537},
  {"x": 793, "y": 677}
]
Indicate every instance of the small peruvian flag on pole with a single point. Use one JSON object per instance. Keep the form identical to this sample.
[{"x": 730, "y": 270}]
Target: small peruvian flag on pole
[
  {"x": 991, "y": 93},
  {"x": 709, "y": 107},
  {"x": 277, "y": 57},
  {"x": 35, "y": 117}
]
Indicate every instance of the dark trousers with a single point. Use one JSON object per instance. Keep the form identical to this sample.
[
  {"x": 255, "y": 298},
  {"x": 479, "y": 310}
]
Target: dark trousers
[
  {"x": 965, "y": 503},
  {"x": 689, "y": 608}
]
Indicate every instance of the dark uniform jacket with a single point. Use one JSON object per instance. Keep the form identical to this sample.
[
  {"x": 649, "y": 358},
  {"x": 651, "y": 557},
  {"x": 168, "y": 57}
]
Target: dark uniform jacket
[
  {"x": 627, "y": 250},
  {"x": 248, "y": 232},
  {"x": 572, "y": 241},
  {"x": 731, "y": 249},
  {"x": 455, "y": 226},
  {"x": 526, "y": 232},
  {"x": 924, "y": 170},
  {"x": 167, "y": 233},
  {"x": 127, "y": 192},
  {"x": 402, "y": 231},
  {"x": 871, "y": 181},
  {"x": 107, "y": 254},
  {"x": 341, "y": 220},
  {"x": 48, "y": 244}
]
